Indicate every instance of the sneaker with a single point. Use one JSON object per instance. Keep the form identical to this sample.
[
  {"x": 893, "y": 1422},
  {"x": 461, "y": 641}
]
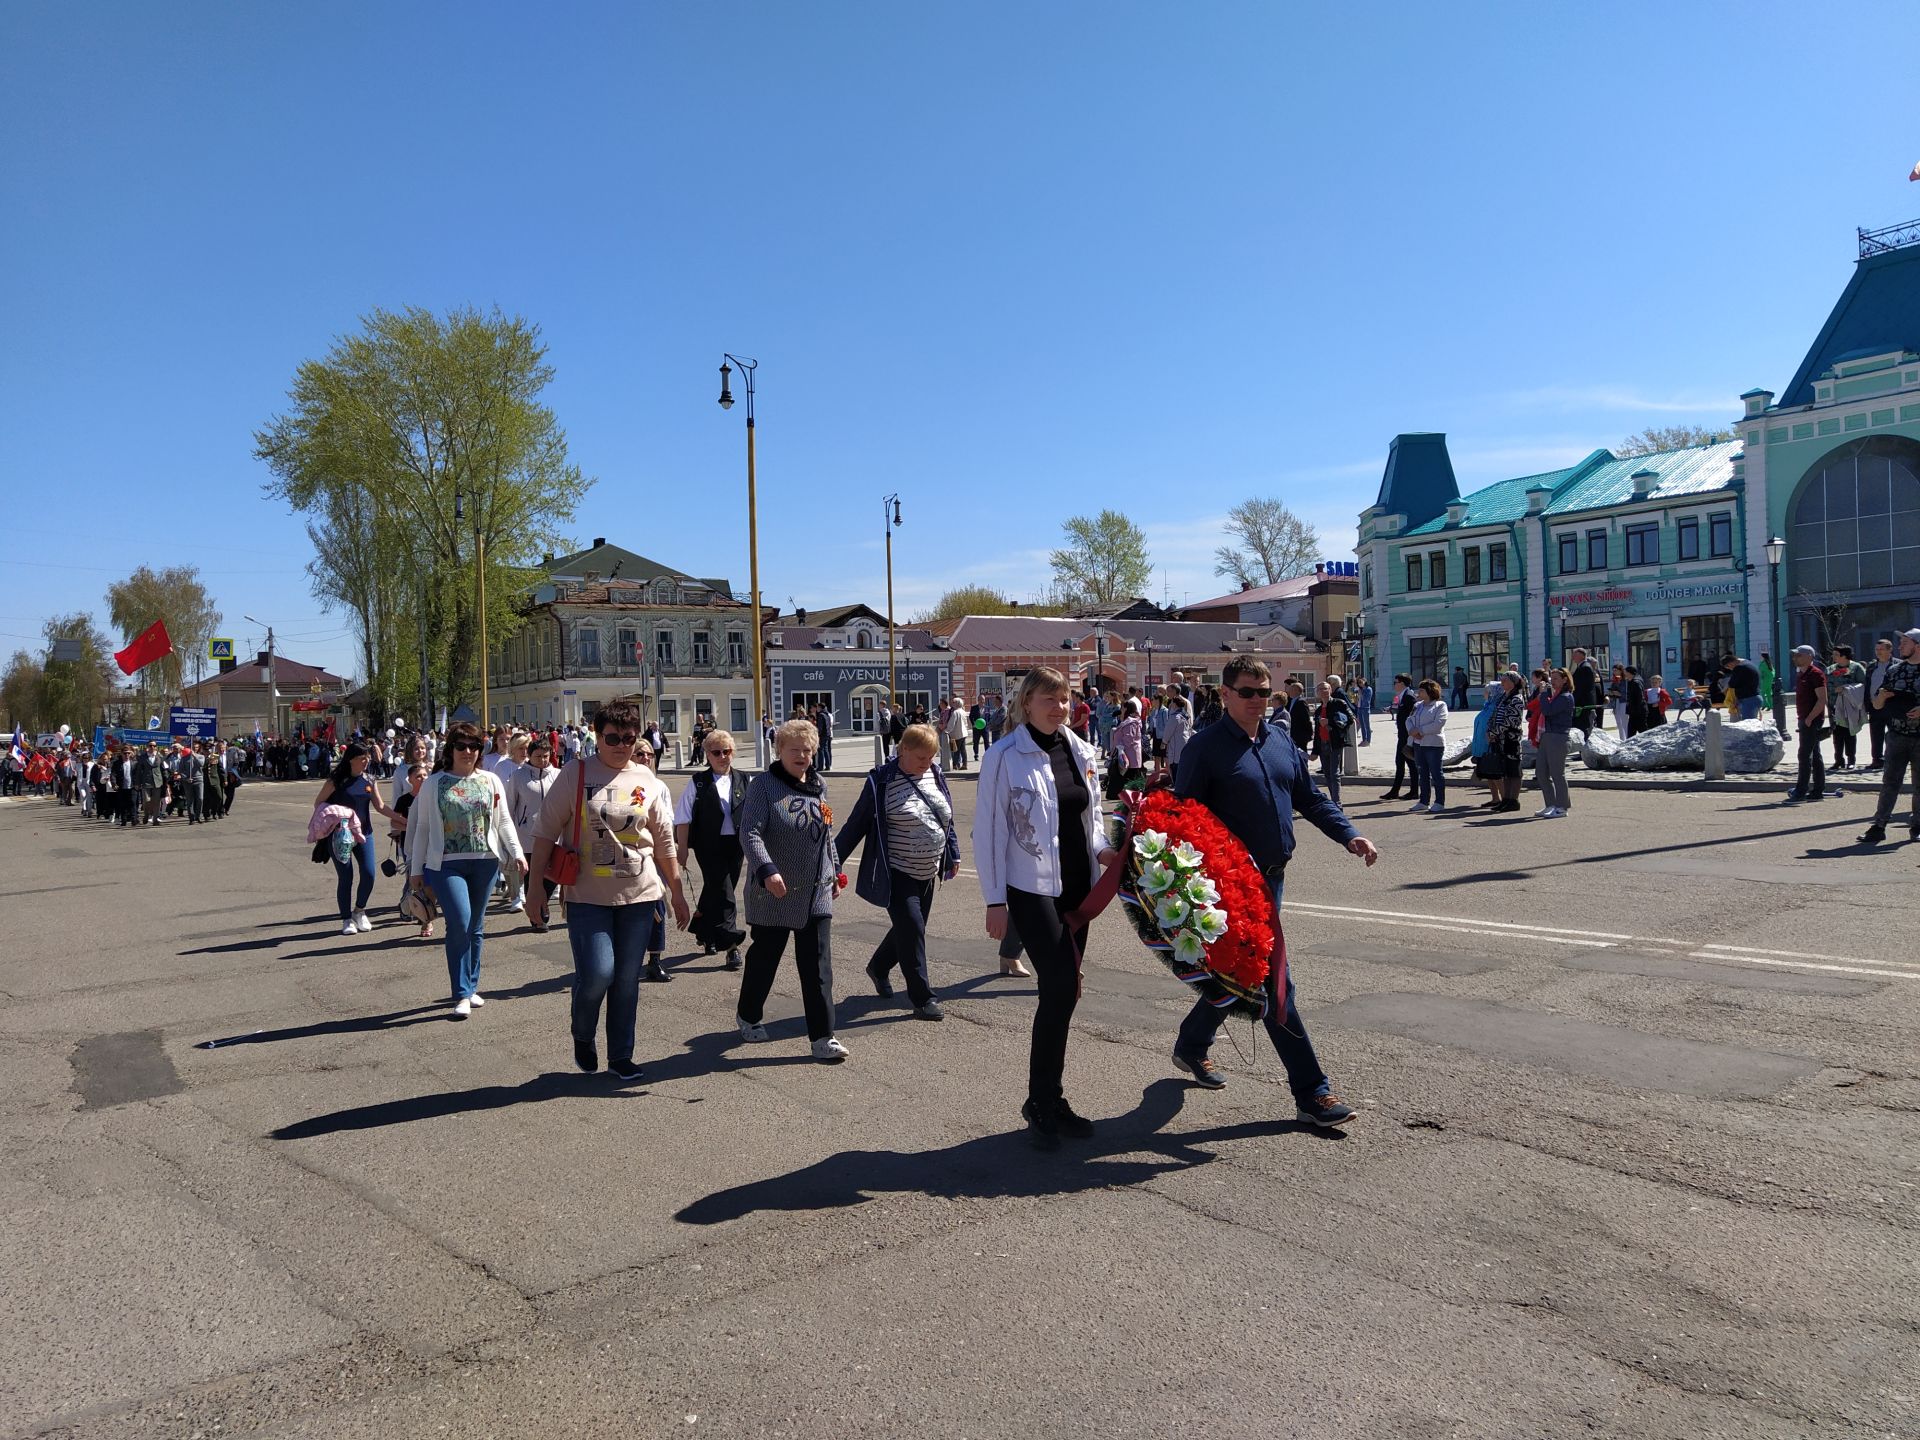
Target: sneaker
[
  {"x": 516, "y": 907},
  {"x": 347, "y": 927},
  {"x": 733, "y": 960},
  {"x": 1418, "y": 806},
  {"x": 1041, "y": 1130},
  {"x": 1325, "y": 1111},
  {"x": 1553, "y": 813},
  {"x": 361, "y": 922},
  {"x": 1203, "y": 1071},
  {"x": 1074, "y": 1127},
  {"x": 463, "y": 1007},
  {"x": 829, "y": 1051},
  {"x": 1793, "y": 797},
  {"x": 585, "y": 1056},
  {"x": 1873, "y": 835},
  {"x": 624, "y": 1070},
  {"x": 477, "y": 1001},
  {"x": 751, "y": 1032},
  {"x": 929, "y": 1011},
  {"x": 882, "y": 982}
]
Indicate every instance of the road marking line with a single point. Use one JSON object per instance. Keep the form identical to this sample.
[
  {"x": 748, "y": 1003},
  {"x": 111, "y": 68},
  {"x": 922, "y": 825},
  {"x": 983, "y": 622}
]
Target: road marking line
[
  {"x": 1490, "y": 924},
  {"x": 1806, "y": 965}
]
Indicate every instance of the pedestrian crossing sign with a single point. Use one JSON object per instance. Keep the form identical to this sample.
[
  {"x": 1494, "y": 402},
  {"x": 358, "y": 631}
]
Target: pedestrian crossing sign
[{"x": 220, "y": 649}]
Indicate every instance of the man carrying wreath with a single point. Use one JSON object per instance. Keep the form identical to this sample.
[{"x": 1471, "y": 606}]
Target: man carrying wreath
[{"x": 1253, "y": 778}]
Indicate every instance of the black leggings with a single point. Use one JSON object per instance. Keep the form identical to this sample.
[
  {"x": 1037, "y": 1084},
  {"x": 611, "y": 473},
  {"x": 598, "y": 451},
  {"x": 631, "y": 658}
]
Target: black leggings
[
  {"x": 1041, "y": 923},
  {"x": 812, "y": 958}
]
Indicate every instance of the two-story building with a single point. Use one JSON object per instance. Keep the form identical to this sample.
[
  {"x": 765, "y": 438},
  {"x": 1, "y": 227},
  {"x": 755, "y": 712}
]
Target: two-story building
[
  {"x": 1638, "y": 561},
  {"x": 609, "y": 624}
]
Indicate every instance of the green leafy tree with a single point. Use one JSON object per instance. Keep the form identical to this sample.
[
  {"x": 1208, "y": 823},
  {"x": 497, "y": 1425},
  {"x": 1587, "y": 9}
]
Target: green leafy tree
[
  {"x": 971, "y": 600},
  {"x": 76, "y": 692},
  {"x": 1669, "y": 437},
  {"x": 411, "y": 438},
  {"x": 176, "y": 596},
  {"x": 1103, "y": 561},
  {"x": 20, "y": 693},
  {"x": 1271, "y": 544}
]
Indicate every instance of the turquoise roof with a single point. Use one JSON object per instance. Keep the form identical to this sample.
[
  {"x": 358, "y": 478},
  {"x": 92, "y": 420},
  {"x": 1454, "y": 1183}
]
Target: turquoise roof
[{"x": 1600, "y": 480}]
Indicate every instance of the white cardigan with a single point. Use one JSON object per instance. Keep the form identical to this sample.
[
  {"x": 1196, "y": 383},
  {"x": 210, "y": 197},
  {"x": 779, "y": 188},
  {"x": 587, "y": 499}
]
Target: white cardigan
[
  {"x": 1016, "y": 816},
  {"x": 426, "y": 841}
]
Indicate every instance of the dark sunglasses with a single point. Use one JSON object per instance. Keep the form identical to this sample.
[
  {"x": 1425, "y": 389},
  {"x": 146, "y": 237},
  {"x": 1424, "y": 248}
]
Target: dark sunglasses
[
  {"x": 465, "y": 745},
  {"x": 620, "y": 737},
  {"x": 1251, "y": 692}
]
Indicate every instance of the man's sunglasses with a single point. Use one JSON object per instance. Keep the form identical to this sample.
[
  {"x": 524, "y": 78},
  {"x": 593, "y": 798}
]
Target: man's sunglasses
[
  {"x": 465, "y": 745},
  {"x": 618, "y": 737},
  {"x": 1251, "y": 692}
]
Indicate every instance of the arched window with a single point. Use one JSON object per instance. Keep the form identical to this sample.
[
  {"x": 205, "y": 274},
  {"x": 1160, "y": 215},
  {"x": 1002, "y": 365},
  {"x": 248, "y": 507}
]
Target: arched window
[
  {"x": 863, "y": 640},
  {"x": 1855, "y": 525}
]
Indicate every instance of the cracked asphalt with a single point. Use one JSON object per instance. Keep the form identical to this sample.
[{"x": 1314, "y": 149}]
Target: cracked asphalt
[{"x": 1638, "y": 1155}]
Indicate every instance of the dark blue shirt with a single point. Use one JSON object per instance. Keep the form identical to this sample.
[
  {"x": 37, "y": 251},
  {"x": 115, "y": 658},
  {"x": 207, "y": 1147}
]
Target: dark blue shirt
[{"x": 1255, "y": 785}]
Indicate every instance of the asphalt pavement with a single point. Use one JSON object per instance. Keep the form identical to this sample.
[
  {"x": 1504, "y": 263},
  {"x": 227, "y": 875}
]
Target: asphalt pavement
[{"x": 1638, "y": 1154}]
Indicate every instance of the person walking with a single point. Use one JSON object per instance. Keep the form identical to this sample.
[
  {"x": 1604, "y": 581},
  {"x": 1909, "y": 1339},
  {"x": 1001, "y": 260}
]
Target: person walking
[
  {"x": 620, "y": 813},
  {"x": 1255, "y": 780},
  {"x": 977, "y": 727},
  {"x": 1877, "y": 717},
  {"x": 1037, "y": 840},
  {"x": 1503, "y": 742},
  {"x": 1550, "y": 755},
  {"x": 1404, "y": 700},
  {"x": 706, "y": 823},
  {"x": 1897, "y": 699},
  {"x": 350, "y": 785},
  {"x": 1810, "y": 707},
  {"x": 459, "y": 834},
  {"x": 786, "y": 832},
  {"x": 1177, "y": 731},
  {"x": 956, "y": 722},
  {"x": 527, "y": 793},
  {"x": 904, "y": 818},
  {"x": 1427, "y": 734},
  {"x": 1129, "y": 736},
  {"x": 1458, "y": 699},
  {"x": 646, "y": 755}
]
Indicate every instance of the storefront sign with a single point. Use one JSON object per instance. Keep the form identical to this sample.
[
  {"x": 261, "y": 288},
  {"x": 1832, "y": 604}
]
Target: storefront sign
[{"x": 1657, "y": 595}]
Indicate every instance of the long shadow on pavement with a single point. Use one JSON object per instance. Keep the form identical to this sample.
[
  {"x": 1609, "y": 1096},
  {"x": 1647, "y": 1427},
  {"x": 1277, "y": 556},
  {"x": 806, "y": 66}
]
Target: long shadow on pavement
[
  {"x": 392, "y": 1020},
  {"x": 994, "y": 1166}
]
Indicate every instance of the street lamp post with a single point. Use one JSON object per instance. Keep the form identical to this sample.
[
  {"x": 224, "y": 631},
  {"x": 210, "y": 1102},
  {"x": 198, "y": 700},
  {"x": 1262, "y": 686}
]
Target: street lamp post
[
  {"x": 747, "y": 367},
  {"x": 1099, "y": 654},
  {"x": 479, "y": 595},
  {"x": 1565, "y": 611},
  {"x": 1776, "y": 552},
  {"x": 273, "y": 680},
  {"x": 889, "y": 521}
]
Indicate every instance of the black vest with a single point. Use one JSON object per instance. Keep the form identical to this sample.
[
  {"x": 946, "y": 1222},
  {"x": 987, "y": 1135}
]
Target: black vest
[{"x": 703, "y": 831}]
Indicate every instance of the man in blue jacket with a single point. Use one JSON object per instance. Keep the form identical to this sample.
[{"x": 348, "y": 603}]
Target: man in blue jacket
[{"x": 1253, "y": 777}]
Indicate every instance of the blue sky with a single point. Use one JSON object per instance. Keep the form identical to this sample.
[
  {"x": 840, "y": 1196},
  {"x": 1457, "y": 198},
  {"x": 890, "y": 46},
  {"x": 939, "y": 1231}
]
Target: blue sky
[{"x": 1016, "y": 262}]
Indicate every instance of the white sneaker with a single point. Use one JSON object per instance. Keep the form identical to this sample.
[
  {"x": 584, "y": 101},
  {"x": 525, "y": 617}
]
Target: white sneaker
[
  {"x": 1544, "y": 814},
  {"x": 751, "y": 1032},
  {"x": 517, "y": 905},
  {"x": 1418, "y": 806},
  {"x": 361, "y": 922},
  {"x": 463, "y": 1008},
  {"x": 477, "y": 1001},
  {"x": 349, "y": 928},
  {"x": 1556, "y": 814},
  {"x": 829, "y": 1051},
  {"x": 1435, "y": 808}
]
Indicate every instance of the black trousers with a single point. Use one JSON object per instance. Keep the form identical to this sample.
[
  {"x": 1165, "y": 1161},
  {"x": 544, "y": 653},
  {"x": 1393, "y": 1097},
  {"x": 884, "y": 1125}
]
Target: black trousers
[
  {"x": 1846, "y": 749},
  {"x": 905, "y": 945},
  {"x": 1041, "y": 921},
  {"x": 1877, "y": 732},
  {"x": 1813, "y": 768},
  {"x": 716, "y": 922},
  {"x": 1402, "y": 766},
  {"x": 812, "y": 957}
]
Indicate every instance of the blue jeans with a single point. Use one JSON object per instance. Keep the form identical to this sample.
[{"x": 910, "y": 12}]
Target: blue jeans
[
  {"x": 462, "y": 888},
  {"x": 343, "y": 879},
  {"x": 1428, "y": 776},
  {"x": 1284, "y": 1027},
  {"x": 1366, "y": 727},
  {"x": 609, "y": 947},
  {"x": 1750, "y": 709}
]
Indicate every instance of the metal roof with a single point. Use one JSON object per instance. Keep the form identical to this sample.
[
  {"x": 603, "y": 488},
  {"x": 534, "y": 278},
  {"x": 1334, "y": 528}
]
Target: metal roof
[
  {"x": 1879, "y": 311},
  {"x": 1600, "y": 480}
]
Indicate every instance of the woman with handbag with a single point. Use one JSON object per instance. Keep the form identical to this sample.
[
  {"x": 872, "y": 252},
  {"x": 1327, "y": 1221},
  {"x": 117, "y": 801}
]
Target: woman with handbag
[
  {"x": 613, "y": 878},
  {"x": 348, "y": 785},
  {"x": 459, "y": 834}
]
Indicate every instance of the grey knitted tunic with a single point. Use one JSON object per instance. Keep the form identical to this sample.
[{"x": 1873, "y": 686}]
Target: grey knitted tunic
[{"x": 785, "y": 830}]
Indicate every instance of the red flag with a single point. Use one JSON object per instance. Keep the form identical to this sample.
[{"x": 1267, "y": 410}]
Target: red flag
[{"x": 152, "y": 645}]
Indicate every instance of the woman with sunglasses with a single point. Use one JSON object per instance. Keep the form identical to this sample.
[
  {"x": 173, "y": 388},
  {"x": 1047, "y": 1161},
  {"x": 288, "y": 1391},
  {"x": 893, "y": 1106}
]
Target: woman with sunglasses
[
  {"x": 460, "y": 833},
  {"x": 625, "y": 830}
]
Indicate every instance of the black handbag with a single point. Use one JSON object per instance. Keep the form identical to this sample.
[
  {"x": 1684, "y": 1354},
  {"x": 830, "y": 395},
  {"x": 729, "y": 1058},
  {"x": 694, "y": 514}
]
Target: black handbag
[{"x": 322, "y": 851}]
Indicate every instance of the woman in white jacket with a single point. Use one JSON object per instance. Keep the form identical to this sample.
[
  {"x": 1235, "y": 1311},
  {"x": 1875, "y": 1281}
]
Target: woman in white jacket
[
  {"x": 459, "y": 834},
  {"x": 1037, "y": 841},
  {"x": 1427, "y": 735}
]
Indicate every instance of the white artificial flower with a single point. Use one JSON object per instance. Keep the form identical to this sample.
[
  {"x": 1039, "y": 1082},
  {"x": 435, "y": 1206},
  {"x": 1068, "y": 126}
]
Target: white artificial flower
[
  {"x": 1201, "y": 891},
  {"x": 1171, "y": 911},
  {"x": 1150, "y": 844},
  {"x": 1156, "y": 878},
  {"x": 1188, "y": 949},
  {"x": 1210, "y": 923},
  {"x": 1186, "y": 857}
]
